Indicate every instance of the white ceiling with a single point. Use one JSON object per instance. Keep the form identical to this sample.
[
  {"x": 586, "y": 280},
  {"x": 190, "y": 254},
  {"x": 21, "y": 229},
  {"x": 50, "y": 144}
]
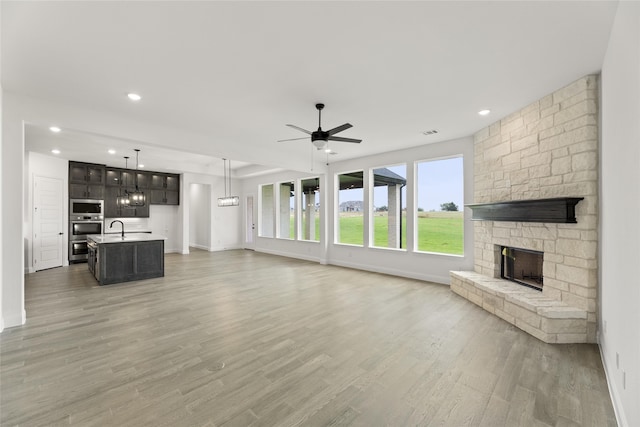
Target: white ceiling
[{"x": 234, "y": 73}]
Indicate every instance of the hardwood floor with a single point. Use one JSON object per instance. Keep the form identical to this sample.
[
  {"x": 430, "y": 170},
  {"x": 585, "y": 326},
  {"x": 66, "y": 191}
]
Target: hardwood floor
[{"x": 240, "y": 338}]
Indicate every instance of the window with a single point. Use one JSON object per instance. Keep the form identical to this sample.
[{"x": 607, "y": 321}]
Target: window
[
  {"x": 388, "y": 213},
  {"x": 350, "y": 209},
  {"x": 266, "y": 211},
  {"x": 310, "y": 212},
  {"x": 439, "y": 205},
  {"x": 287, "y": 211}
]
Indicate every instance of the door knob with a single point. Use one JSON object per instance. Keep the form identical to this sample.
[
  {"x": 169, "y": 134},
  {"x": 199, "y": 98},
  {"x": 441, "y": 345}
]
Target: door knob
[{"x": 60, "y": 234}]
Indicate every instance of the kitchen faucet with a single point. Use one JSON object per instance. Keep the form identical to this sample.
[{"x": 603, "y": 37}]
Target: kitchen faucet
[{"x": 121, "y": 223}]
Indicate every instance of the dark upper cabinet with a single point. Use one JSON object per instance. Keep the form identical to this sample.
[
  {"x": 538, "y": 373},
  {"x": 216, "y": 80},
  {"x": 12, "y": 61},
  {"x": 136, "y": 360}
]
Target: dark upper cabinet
[
  {"x": 165, "y": 189},
  {"x": 165, "y": 197},
  {"x": 165, "y": 181},
  {"x": 86, "y": 180},
  {"x": 120, "y": 177},
  {"x": 86, "y": 173},
  {"x": 91, "y": 181},
  {"x": 84, "y": 191},
  {"x": 143, "y": 179}
]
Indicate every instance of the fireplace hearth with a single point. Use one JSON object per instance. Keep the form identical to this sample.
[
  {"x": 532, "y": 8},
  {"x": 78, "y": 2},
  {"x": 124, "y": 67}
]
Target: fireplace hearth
[{"x": 522, "y": 266}]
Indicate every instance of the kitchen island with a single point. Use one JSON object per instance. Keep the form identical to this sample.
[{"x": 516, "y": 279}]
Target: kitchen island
[{"x": 115, "y": 258}]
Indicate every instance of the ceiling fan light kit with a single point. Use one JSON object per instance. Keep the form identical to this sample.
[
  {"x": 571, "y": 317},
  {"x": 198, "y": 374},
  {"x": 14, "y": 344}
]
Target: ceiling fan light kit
[{"x": 319, "y": 138}]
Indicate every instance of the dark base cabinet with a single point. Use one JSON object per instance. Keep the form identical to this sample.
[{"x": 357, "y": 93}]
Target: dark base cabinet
[{"x": 127, "y": 261}]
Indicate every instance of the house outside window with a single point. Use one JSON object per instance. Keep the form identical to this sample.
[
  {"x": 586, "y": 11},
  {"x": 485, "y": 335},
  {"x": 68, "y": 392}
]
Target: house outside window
[
  {"x": 350, "y": 209},
  {"x": 388, "y": 221}
]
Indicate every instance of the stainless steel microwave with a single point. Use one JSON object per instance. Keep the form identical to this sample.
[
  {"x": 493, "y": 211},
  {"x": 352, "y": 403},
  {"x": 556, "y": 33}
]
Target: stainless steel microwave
[{"x": 85, "y": 207}]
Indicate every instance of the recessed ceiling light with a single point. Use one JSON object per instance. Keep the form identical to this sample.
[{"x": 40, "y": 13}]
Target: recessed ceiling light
[
  {"x": 55, "y": 129},
  {"x": 140, "y": 166},
  {"x": 55, "y": 151},
  {"x": 111, "y": 151},
  {"x": 134, "y": 96},
  {"x": 484, "y": 112}
]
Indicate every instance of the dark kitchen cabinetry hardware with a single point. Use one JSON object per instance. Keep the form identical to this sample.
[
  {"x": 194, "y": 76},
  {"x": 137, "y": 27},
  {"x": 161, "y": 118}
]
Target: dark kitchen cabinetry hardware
[{"x": 86, "y": 180}]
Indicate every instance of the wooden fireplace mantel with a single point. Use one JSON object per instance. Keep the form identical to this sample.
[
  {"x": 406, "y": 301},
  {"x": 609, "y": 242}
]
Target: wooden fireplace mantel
[{"x": 558, "y": 210}]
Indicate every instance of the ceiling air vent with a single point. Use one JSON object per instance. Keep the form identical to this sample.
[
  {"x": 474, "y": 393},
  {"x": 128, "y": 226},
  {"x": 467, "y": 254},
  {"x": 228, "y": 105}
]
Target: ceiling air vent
[{"x": 430, "y": 132}]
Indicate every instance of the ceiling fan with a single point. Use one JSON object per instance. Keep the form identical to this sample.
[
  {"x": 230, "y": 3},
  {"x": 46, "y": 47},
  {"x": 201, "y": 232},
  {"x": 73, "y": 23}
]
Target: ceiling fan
[{"x": 320, "y": 137}]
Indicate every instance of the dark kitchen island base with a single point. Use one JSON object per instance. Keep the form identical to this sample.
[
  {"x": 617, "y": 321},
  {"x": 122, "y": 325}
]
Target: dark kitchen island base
[{"x": 125, "y": 261}]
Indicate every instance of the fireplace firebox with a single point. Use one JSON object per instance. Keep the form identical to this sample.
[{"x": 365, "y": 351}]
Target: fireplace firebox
[{"x": 522, "y": 266}]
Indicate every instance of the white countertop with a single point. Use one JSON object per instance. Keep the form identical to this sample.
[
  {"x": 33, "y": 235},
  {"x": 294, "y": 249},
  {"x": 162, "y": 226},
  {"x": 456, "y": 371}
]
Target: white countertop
[{"x": 128, "y": 237}]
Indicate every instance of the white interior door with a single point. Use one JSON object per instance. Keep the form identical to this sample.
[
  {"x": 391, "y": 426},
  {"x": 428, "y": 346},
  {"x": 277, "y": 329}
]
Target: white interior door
[
  {"x": 48, "y": 234},
  {"x": 250, "y": 226}
]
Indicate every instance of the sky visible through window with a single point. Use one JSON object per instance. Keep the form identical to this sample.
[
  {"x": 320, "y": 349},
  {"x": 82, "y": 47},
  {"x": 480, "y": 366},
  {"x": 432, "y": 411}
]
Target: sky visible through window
[{"x": 439, "y": 181}]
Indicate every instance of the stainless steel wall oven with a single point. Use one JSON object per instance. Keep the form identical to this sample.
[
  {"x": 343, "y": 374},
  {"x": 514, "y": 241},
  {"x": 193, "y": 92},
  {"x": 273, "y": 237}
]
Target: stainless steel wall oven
[{"x": 85, "y": 217}]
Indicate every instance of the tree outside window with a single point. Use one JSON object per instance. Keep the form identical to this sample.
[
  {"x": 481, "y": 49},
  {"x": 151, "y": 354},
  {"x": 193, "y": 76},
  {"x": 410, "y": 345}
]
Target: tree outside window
[{"x": 440, "y": 193}]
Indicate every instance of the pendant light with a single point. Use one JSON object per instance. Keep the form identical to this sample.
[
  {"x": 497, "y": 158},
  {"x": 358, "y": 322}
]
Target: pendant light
[
  {"x": 123, "y": 198},
  {"x": 137, "y": 198},
  {"x": 227, "y": 200}
]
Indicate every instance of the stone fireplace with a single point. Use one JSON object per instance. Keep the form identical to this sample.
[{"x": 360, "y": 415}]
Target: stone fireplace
[{"x": 548, "y": 149}]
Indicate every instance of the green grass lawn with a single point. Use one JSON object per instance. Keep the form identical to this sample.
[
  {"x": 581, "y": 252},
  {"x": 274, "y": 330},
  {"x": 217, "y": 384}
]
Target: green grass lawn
[
  {"x": 437, "y": 232},
  {"x": 440, "y": 232}
]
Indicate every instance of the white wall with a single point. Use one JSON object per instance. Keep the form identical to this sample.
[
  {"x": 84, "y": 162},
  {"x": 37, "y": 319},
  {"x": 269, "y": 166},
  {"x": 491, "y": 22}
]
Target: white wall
[
  {"x": 225, "y": 222},
  {"x": 200, "y": 216},
  {"x": 1, "y": 198},
  {"x": 433, "y": 267},
  {"x": 619, "y": 212},
  {"x": 163, "y": 220},
  {"x": 12, "y": 213},
  {"x": 423, "y": 266},
  {"x": 51, "y": 167},
  {"x": 312, "y": 251}
]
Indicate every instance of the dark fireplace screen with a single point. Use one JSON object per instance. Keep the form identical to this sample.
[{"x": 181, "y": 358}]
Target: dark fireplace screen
[{"x": 522, "y": 266}]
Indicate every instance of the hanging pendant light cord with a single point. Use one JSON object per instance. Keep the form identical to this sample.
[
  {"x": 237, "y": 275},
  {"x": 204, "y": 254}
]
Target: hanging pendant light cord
[{"x": 224, "y": 170}]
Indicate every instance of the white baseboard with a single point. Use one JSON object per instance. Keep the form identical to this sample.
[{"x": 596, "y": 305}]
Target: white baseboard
[
  {"x": 15, "y": 320},
  {"x": 203, "y": 247},
  {"x": 618, "y": 410},
  {"x": 288, "y": 255},
  {"x": 394, "y": 272}
]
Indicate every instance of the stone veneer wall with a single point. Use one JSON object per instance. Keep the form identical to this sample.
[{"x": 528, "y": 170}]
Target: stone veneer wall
[{"x": 547, "y": 149}]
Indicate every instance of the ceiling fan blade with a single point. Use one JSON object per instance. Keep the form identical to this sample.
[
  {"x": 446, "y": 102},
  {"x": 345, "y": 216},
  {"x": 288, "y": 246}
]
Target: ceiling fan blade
[
  {"x": 339, "y": 129},
  {"x": 292, "y": 139},
  {"x": 300, "y": 129},
  {"x": 337, "y": 138}
]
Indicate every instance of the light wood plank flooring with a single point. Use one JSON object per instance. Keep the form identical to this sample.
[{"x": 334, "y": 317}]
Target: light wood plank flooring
[{"x": 239, "y": 338}]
